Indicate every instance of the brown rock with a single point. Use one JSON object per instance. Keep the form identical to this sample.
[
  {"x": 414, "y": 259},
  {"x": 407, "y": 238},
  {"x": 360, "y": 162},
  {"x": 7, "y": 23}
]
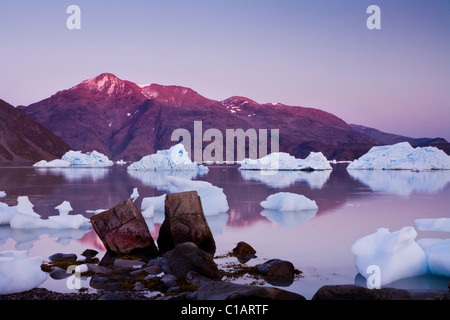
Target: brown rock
[
  {"x": 185, "y": 222},
  {"x": 123, "y": 230},
  {"x": 220, "y": 290},
  {"x": 244, "y": 252},
  {"x": 355, "y": 292},
  {"x": 277, "y": 272},
  {"x": 188, "y": 257}
]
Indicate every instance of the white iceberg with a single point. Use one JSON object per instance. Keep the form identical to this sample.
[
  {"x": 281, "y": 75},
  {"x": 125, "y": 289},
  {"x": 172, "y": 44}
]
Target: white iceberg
[
  {"x": 402, "y": 156},
  {"x": 438, "y": 255},
  {"x": 287, "y": 201},
  {"x": 396, "y": 254},
  {"x": 77, "y": 158},
  {"x": 25, "y": 217},
  {"x": 19, "y": 273},
  {"x": 6, "y": 213},
  {"x": 2, "y": 194},
  {"x": 176, "y": 158},
  {"x": 284, "y": 161},
  {"x": 66, "y": 221},
  {"x": 213, "y": 199},
  {"x": 439, "y": 224},
  {"x": 134, "y": 195},
  {"x": 151, "y": 204}
]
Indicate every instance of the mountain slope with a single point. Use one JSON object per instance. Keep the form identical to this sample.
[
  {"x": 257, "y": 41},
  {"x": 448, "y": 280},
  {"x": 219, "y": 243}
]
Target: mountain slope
[
  {"x": 127, "y": 121},
  {"x": 23, "y": 139}
]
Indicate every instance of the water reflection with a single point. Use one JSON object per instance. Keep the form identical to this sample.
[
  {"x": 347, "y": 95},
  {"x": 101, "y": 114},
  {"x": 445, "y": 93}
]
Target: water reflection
[
  {"x": 75, "y": 174},
  {"x": 289, "y": 218},
  {"x": 403, "y": 182},
  {"x": 284, "y": 179},
  {"x": 25, "y": 238}
]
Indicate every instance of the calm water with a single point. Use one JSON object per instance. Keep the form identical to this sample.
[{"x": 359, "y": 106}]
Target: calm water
[{"x": 318, "y": 243}]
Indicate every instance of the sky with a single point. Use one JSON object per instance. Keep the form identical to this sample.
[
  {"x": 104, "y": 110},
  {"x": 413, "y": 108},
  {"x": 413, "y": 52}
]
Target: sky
[{"x": 303, "y": 53}]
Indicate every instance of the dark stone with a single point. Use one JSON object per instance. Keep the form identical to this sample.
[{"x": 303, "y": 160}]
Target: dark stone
[
  {"x": 218, "y": 290},
  {"x": 59, "y": 273},
  {"x": 185, "y": 222},
  {"x": 188, "y": 257},
  {"x": 244, "y": 252},
  {"x": 277, "y": 272},
  {"x": 112, "y": 296},
  {"x": 355, "y": 292},
  {"x": 89, "y": 253},
  {"x": 63, "y": 256},
  {"x": 123, "y": 230}
]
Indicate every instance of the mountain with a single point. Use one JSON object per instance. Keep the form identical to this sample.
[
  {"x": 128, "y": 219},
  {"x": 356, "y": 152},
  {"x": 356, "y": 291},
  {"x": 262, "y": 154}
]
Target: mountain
[
  {"x": 23, "y": 139},
  {"x": 389, "y": 138},
  {"x": 125, "y": 120}
]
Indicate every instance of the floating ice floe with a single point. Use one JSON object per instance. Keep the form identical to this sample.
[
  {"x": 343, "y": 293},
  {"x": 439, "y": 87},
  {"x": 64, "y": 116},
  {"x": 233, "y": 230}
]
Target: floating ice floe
[
  {"x": 2, "y": 194},
  {"x": 438, "y": 224},
  {"x": 438, "y": 255},
  {"x": 396, "y": 254},
  {"x": 213, "y": 198},
  {"x": 6, "y": 213},
  {"x": 151, "y": 204},
  {"x": 176, "y": 158},
  {"x": 78, "y": 159},
  {"x": 286, "y": 201},
  {"x": 134, "y": 195},
  {"x": 24, "y": 217},
  {"x": 289, "y": 218},
  {"x": 19, "y": 273},
  {"x": 121, "y": 162},
  {"x": 284, "y": 161},
  {"x": 402, "y": 156}
]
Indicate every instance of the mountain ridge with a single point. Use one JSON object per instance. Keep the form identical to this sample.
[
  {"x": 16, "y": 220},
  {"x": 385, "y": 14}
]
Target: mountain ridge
[{"x": 126, "y": 120}]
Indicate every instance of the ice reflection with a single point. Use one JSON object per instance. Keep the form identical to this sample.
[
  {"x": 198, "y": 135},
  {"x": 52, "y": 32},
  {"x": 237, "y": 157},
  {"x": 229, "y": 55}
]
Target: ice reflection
[
  {"x": 76, "y": 174},
  {"x": 284, "y": 179},
  {"x": 159, "y": 178},
  {"x": 289, "y": 218},
  {"x": 25, "y": 238},
  {"x": 402, "y": 182}
]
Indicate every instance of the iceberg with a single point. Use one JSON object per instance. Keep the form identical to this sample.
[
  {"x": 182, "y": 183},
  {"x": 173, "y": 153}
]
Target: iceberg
[
  {"x": 24, "y": 217},
  {"x": 284, "y": 161},
  {"x": 66, "y": 221},
  {"x": 287, "y": 201},
  {"x": 402, "y": 156},
  {"x": 176, "y": 158},
  {"x": 134, "y": 195},
  {"x": 397, "y": 254},
  {"x": 19, "y": 273},
  {"x": 2, "y": 194},
  {"x": 439, "y": 224},
  {"x": 438, "y": 255},
  {"x": 213, "y": 198},
  {"x": 6, "y": 213},
  {"x": 77, "y": 158},
  {"x": 151, "y": 204}
]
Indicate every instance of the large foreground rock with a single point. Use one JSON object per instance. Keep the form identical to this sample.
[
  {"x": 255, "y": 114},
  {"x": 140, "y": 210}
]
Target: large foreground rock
[
  {"x": 355, "y": 292},
  {"x": 188, "y": 257},
  {"x": 185, "y": 222},
  {"x": 123, "y": 230},
  {"x": 218, "y": 290}
]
